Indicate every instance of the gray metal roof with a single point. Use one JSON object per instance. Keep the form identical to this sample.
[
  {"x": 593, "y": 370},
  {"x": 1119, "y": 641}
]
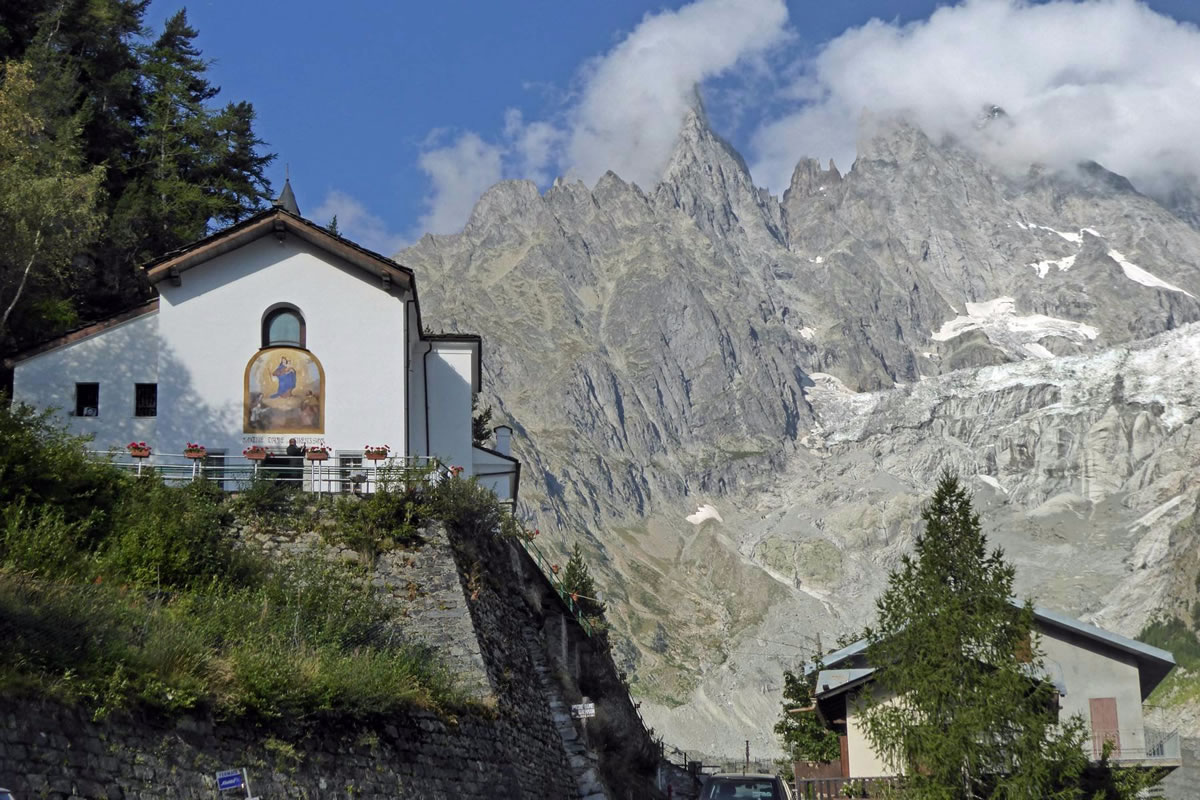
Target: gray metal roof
[{"x": 1153, "y": 662}]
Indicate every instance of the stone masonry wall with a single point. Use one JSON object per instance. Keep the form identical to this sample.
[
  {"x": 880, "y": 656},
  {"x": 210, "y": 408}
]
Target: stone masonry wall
[
  {"x": 50, "y": 751},
  {"x": 487, "y": 610}
]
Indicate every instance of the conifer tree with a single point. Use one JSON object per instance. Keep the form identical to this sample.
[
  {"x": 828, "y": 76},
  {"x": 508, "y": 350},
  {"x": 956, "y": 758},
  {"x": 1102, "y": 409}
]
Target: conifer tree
[
  {"x": 199, "y": 166},
  {"x": 577, "y": 580},
  {"x": 959, "y": 705}
]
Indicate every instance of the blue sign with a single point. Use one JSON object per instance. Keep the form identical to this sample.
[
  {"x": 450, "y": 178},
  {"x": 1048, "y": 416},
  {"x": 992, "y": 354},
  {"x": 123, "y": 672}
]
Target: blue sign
[{"x": 230, "y": 779}]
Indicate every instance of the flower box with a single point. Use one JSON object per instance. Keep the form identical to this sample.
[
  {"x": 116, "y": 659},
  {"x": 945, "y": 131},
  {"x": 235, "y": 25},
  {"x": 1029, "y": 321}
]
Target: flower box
[
  {"x": 255, "y": 453},
  {"x": 376, "y": 452},
  {"x": 194, "y": 451},
  {"x": 317, "y": 455},
  {"x": 138, "y": 449}
]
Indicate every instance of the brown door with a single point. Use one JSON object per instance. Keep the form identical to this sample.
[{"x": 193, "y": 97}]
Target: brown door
[
  {"x": 844, "y": 742},
  {"x": 1104, "y": 726}
]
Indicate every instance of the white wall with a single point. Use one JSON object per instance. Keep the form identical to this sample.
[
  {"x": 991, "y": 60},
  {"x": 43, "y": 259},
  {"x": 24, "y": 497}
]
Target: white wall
[
  {"x": 450, "y": 369},
  {"x": 864, "y": 761},
  {"x": 494, "y": 472},
  {"x": 1091, "y": 672},
  {"x": 116, "y": 358},
  {"x": 212, "y": 325}
]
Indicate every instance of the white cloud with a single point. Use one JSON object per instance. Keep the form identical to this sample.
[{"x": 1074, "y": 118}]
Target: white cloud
[
  {"x": 459, "y": 174},
  {"x": 631, "y": 102},
  {"x": 358, "y": 224},
  {"x": 1106, "y": 80},
  {"x": 635, "y": 97}
]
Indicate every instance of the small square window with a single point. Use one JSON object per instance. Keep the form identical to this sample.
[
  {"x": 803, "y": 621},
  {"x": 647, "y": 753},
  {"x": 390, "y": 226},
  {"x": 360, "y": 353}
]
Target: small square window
[
  {"x": 145, "y": 399},
  {"x": 87, "y": 399}
]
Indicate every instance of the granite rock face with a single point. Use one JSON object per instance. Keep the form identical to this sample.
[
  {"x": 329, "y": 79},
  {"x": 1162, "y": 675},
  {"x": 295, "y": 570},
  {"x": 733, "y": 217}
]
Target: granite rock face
[{"x": 738, "y": 402}]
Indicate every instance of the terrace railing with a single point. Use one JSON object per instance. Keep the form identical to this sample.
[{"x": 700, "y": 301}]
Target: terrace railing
[{"x": 337, "y": 474}]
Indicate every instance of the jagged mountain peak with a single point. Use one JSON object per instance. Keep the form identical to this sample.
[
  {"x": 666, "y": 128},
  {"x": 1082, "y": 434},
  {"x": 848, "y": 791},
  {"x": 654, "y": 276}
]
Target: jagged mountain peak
[
  {"x": 890, "y": 139},
  {"x": 699, "y": 148},
  {"x": 808, "y": 178}
]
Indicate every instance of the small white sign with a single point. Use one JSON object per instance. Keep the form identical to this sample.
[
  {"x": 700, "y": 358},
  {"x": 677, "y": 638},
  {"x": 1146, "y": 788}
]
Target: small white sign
[{"x": 583, "y": 710}]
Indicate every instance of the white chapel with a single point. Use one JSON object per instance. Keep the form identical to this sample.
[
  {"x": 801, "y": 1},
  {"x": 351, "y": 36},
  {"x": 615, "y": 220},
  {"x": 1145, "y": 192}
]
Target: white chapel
[{"x": 269, "y": 331}]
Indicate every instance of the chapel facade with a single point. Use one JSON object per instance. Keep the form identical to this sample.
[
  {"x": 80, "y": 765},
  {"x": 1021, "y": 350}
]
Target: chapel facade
[{"x": 273, "y": 333}]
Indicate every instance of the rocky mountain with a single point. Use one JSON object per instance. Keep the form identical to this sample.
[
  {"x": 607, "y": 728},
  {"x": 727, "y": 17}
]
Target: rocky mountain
[{"x": 738, "y": 402}]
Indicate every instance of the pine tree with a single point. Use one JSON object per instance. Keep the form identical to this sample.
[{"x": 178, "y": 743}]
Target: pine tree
[
  {"x": 481, "y": 421},
  {"x": 197, "y": 167},
  {"x": 804, "y": 736},
  {"x": 577, "y": 581},
  {"x": 332, "y": 227},
  {"x": 957, "y": 704}
]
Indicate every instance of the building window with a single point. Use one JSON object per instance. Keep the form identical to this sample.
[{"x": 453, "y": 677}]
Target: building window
[
  {"x": 214, "y": 467},
  {"x": 145, "y": 399},
  {"x": 87, "y": 399},
  {"x": 283, "y": 326},
  {"x": 351, "y": 474}
]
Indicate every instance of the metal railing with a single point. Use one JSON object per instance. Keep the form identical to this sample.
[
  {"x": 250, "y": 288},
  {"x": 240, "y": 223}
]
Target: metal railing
[
  {"x": 548, "y": 569},
  {"x": 841, "y": 788},
  {"x": 337, "y": 474},
  {"x": 1137, "y": 745}
]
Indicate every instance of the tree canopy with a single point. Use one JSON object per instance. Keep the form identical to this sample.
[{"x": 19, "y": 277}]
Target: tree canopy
[
  {"x": 577, "y": 580},
  {"x": 804, "y": 736},
  {"x": 126, "y": 133},
  {"x": 958, "y": 705}
]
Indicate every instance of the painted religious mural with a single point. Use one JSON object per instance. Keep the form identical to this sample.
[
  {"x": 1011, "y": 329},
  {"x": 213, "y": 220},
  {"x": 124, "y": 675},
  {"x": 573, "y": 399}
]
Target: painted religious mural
[{"x": 285, "y": 392}]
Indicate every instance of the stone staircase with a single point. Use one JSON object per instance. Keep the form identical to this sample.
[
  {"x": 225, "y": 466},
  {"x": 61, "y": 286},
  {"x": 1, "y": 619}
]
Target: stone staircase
[{"x": 584, "y": 765}]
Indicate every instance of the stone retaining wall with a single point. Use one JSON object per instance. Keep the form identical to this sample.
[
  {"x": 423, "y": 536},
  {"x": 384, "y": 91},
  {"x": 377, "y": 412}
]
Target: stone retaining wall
[
  {"x": 51, "y": 751},
  {"x": 491, "y": 614}
]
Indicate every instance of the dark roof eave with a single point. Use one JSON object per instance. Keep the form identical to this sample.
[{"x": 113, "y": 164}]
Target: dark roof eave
[
  {"x": 265, "y": 223},
  {"x": 83, "y": 332}
]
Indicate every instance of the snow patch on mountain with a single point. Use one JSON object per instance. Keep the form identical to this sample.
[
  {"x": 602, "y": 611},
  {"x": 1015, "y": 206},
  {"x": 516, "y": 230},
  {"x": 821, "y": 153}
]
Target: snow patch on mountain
[
  {"x": 1139, "y": 275},
  {"x": 1062, "y": 264},
  {"x": 1016, "y": 334},
  {"x": 704, "y": 512}
]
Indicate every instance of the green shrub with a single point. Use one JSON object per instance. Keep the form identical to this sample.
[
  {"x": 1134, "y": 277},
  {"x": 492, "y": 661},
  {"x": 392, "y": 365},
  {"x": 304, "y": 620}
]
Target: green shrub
[
  {"x": 467, "y": 507},
  {"x": 117, "y": 590},
  {"x": 42, "y": 464},
  {"x": 170, "y": 537},
  {"x": 40, "y": 540},
  {"x": 382, "y": 520}
]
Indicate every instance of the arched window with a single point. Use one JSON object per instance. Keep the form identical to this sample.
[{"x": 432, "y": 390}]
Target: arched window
[{"x": 283, "y": 326}]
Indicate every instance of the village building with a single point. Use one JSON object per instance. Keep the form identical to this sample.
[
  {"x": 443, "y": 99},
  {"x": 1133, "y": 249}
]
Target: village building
[
  {"x": 274, "y": 336},
  {"x": 1102, "y": 677}
]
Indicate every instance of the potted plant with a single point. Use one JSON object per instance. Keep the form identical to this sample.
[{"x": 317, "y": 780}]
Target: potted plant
[
  {"x": 194, "y": 450},
  {"x": 255, "y": 452},
  {"x": 138, "y": 449},
  {"x": 318, "y": 452},
  {"x": 376, "y": 452}
]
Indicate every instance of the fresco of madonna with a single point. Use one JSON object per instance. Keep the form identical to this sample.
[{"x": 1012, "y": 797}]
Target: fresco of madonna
[{"x": 284, "y": 392}]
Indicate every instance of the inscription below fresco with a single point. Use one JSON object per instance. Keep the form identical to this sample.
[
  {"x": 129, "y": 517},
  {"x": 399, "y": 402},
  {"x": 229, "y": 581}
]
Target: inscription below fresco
[{"x": 285, "y": 392}]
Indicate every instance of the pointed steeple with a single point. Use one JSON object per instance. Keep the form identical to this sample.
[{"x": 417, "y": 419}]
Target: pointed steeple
[{"x": 287, "y": 198}]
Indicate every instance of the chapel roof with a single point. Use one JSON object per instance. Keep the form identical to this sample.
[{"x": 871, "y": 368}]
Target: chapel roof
[{"x": 279, "y": 222}]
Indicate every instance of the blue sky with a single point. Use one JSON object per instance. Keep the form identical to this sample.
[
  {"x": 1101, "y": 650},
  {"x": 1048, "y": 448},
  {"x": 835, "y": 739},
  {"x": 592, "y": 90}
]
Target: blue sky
[{"x": 397, "y": 115}]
